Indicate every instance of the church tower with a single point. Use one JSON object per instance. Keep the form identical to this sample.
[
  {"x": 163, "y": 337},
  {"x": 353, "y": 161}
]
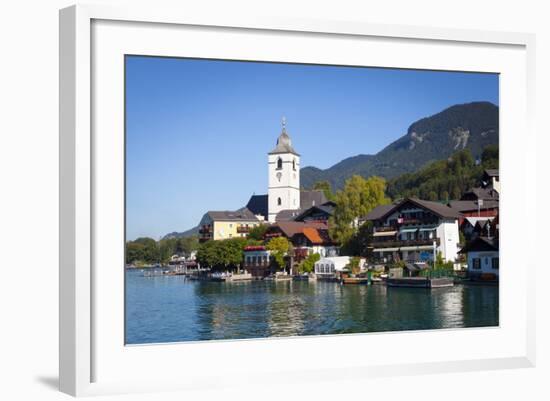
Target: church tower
[{"x": 284, "y": 176}]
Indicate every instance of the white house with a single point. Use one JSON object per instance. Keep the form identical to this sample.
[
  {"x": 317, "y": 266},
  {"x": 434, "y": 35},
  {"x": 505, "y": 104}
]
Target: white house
[
  {"x": 330, "y": 265},
  {"x": 483, "y": 257},
  {"x": 414, "y": 230}
]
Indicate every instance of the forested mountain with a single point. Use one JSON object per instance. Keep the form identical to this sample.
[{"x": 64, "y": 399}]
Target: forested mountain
[
  {"x": 444, "y": 179},
  {"x": 470, "y": 126}
]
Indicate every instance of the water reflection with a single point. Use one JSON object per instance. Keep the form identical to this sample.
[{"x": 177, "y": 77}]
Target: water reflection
[{"x": 165, "y": 309}]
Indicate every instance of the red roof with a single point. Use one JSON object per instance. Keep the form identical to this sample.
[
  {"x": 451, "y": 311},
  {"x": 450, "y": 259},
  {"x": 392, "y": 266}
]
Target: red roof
[{"x": 312, "y": 234}]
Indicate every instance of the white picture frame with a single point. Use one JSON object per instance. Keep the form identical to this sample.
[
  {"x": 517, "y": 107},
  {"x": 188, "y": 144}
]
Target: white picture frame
[{"x": 92, "y": 362}]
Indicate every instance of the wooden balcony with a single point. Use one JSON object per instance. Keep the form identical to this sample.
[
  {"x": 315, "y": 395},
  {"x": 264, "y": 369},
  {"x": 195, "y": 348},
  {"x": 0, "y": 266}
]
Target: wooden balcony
[
  {"x": 399, "y": 243},
  {"x": 243, "y": 229},
  {"x": 206, "y": 229}
]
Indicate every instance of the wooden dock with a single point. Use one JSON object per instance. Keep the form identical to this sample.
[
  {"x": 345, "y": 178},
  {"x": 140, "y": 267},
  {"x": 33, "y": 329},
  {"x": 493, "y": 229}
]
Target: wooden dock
[{"x": 420, "y": 282}]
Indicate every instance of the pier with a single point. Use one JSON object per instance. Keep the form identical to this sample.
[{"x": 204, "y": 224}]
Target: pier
[{"x": 420, "y": 282}]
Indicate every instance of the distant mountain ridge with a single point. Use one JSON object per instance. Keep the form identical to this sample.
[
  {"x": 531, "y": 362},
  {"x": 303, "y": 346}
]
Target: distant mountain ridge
[
  {"x": 471, "y": 125},
  {"x": 188, "y": 233}
]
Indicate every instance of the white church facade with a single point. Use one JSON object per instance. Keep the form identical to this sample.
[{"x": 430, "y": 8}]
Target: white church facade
[
  {"x": 284, "y": 201},
  {"x": 284, "y": 177}
]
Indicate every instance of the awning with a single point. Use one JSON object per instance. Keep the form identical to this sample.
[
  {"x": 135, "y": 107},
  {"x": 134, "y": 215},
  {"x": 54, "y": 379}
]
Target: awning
[
  {"x": 385, "y": 249},
  {"x": 409, "y": 230},
  {"x": 428, "y": 229},
  {"x": 384, "y": 234}
]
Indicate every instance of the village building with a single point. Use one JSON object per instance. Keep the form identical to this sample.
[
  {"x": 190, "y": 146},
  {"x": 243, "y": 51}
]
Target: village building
[
  {"x": 317, "y": 213},
  {"x": 257, "y": 261},
  {"x": 306, "y": 238},
  {"x": 414, "y": 230},
  {"x": 284, "y": 200},
  {"x": 491, "y": 179},
  {"x": 473, "y": 227},
  {"x": 328, "y": 267},
  {"x": 483, "y": 258},
  {"x": 475, "y": 208},
  {"x": 218, "y": 225}
]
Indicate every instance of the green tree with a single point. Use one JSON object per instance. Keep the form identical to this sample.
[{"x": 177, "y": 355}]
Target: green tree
[
  {"x": 444, "y": 180},
  {"x": 355, "y": 201},
  {"x": 357, "y": 244},
  {"x": 326, "y": 188},
  {"x": 489, "y": 156},
  {"x": 142, "y": 250},
  {"x": 308, "y": 264},
  {"x": 354, "y": 265},
  {"x": 222, "y": 254},
  {"x": 279, "y": 247},
  {"x": 186, "y": 245},
  {"x": 257, "y": 233}
]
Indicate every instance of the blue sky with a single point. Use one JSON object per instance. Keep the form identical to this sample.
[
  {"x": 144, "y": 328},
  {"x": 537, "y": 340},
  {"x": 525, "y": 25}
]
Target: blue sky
[{"x": 198, "y": 131}]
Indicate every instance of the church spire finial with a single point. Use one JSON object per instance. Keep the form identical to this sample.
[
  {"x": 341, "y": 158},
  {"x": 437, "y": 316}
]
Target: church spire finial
[{"x": 283, "y": 121}]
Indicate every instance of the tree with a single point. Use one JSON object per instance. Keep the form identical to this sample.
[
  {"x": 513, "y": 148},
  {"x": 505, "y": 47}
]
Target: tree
[
  {"x": 355, "y": 201},
  {"x": 186, "y": 245},
  {"x": 444, "y": 179},
  {"x": 354, "y": 262},
  {"x": 357, "y": 244},
  {"x": 222, "y": 254},
  {"x": 257, "y": 233},
  {"x": 279, "y": 247},
  {"x": 489, "y": 156},
  {"x": 325, "y": 187},
  {"x": 142, "y": 250},
  {"x": 308, "y": 264}
]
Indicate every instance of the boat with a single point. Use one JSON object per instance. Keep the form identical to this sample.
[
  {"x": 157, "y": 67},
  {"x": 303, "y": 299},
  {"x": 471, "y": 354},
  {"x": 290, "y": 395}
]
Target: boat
[
  {"x": 355, "y": 280},
  {"x": 301, "y": 277}
]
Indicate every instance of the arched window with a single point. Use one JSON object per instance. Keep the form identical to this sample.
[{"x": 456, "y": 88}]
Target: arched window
[
  {"x": 294, "y": 164},
  {"x": 279, "y": 163},
  {"x": 279, "y": 202}
]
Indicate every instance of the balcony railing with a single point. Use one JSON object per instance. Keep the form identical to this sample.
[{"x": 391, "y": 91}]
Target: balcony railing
[
  {"x": 410, "y": 242},
  {"x": 243, "y": 229}
]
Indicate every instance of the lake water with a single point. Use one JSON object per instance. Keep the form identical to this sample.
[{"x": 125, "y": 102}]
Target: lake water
[{"x": 172, "y": 308}]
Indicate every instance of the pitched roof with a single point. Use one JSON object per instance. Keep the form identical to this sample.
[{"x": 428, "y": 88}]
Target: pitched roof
[
  {"x": 226, "y": 215},
  {"x": 481, "y": 244},
  {"x": 288, "y": 214},
  {"x": 257, "y": 204},
  {"x": 312, "y": 197},
  {"x": 312, "y": 234},
  {"x": 379, "y": 211},
  {"x": 291, "y": 228},
  {"x": 437, "y": 208},
  {"x": 481, "y": 193},
  {"x": 474, "y": 220},
  {"x": 326, "y": 208},
  {"x": 469, "y": 205}
]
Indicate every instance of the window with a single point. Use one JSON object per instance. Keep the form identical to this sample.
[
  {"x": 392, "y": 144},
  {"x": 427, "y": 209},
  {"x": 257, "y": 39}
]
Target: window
[
  {"x": 279, "y": 164},
  {"x": 494, "y": 263},
  {"x": 476, "y": 262},
  {"x": 279, "y": 201},
  {"x": 294, "y": 164}
]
